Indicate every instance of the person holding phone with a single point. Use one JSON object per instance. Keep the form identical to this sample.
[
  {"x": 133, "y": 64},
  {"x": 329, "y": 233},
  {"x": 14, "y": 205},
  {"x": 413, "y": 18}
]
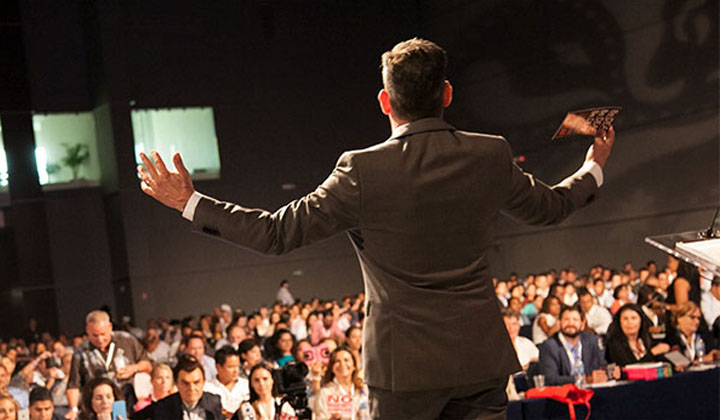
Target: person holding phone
[{"x": 98, "y": 397}]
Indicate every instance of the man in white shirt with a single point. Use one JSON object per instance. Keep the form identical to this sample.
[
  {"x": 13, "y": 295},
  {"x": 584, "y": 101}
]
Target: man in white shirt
[
  {"x": 710, "y": 298},
  {"x": 602, "y": 296},
  {"x": 228, "y": 385},
  {"x": 283, "y": 294},
  {"x": 597, "y": 318}
]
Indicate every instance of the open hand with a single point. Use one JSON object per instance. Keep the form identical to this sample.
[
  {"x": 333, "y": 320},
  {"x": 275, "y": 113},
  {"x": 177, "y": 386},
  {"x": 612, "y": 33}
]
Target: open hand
[{"x": 170, "y": 188}]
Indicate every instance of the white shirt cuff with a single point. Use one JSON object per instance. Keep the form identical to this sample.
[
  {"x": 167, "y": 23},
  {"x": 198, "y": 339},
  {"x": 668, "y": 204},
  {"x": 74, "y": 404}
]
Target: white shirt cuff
[
  {"x": 594, "y": 169},
  {"x": 189, "y": 210}
]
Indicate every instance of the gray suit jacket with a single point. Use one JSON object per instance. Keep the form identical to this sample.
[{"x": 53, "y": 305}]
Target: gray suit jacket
[{"x": 419, "y": 209}]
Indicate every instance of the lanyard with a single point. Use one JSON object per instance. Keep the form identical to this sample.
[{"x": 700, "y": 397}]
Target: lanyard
[{"x": 108, "y": 360}]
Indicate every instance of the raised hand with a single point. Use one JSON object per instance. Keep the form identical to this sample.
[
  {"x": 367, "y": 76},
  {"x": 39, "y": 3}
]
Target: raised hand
[
  {"x": 600, "y": 150},
  {"x": 170, "y": 188}
]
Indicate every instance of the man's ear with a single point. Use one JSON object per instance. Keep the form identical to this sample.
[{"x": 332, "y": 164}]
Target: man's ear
[
  {"x": 447, "y": 94},
  {"x": 384, "y": 101}
]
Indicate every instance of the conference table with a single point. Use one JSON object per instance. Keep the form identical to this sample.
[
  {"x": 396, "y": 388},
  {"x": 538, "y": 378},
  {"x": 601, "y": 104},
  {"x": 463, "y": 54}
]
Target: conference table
[{"x": 687, "y": 395}]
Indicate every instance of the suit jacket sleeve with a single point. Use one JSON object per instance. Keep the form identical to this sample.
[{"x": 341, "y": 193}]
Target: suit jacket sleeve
[
  {"x": 332, "y": 208},
  {"x": 536, "y": 203}
]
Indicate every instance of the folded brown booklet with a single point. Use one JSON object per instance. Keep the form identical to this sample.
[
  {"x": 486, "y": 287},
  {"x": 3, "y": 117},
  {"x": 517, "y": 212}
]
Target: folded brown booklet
[{"x": 587, "y": 121}]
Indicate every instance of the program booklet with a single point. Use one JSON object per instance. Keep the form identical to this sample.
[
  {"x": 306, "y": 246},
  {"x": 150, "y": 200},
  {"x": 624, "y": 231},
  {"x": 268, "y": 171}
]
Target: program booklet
[{"x": 586, "y": 121}]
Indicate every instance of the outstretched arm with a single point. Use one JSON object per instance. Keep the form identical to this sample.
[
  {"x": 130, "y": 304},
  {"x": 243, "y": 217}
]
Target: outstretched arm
[
  {"x": 536, "y": 203},
  {"x": 332, "y": 208}
]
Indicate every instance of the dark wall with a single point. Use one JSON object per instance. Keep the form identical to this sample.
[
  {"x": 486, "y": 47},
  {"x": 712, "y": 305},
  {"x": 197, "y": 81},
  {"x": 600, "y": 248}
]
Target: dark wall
[{"x": 292, "y": 85}]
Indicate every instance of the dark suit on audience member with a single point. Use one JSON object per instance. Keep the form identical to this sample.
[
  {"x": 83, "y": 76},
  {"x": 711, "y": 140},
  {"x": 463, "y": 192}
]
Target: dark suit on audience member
[
  {"x": 419, "y": 210},
  {"x": 555, "y": 364},
  {"x": 171, "y": 407}
]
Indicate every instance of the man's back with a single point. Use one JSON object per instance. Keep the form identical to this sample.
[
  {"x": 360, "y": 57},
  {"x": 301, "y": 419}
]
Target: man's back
[{"x": 429, "y": 198}]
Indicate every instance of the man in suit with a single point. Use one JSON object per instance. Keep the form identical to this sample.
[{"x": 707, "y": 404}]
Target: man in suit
[
  {"x": 561, "y": 353},
  {"x": 419, "y": 209},
  {"x": 190, "y": 402}
]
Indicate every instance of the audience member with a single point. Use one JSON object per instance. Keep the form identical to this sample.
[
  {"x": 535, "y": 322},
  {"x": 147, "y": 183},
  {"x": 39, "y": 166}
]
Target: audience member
[
  {"x": 545, "y": 323},
  {"x": 263, "y": 398},
  {"x": 710, "y": 299},
  {"x": 353, "y": 342},
  {"x": 283, "y": 294},
  {"x": 685, "y": 285},
  {"x": 103, "y": 354},
  {"x": 195, "y": 346},
  {"x": 524, "y": 348},
  {"x": 235, "y": 334},
  {"x": 98, "y": 396},
  {"x": 621, "y": 294},
  {"x": 628, "y": 340},
  {"x": 572, "y": 353},
  {"x": 280, "y": 348},
  {"x": 9, "y": 408},
  {"x": 162, "y": 383},
  {"x": 41, "y": 405},
  {"x": 694, "y": 345},
  {"x": 250, "y": 355},
  {"x": 325, "y": 328},
  {"x": 597, "y": 318},
  {"x": 343, "y": 395},
  {"x": 158, "y": 351},
  {"x": 190, "y": 402},
  {"x": 229, "y": 386}
]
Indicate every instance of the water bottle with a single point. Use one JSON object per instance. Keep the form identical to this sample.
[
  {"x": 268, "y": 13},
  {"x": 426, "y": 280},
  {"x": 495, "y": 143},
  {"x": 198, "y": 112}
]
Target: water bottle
[
  {"x": 579, "y": 372},
  {"x": 699, "y": 349}
]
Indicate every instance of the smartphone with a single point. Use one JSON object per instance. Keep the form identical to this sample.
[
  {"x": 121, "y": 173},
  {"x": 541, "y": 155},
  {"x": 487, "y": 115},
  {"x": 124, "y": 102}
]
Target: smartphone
[{"x": 119, "y": 410}]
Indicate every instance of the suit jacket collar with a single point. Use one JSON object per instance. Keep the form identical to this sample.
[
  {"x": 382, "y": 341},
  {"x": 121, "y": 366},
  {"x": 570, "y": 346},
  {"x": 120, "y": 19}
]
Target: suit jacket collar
[
  {"x": 585, "y": 355},
  {"x": 421, "y": 126}
]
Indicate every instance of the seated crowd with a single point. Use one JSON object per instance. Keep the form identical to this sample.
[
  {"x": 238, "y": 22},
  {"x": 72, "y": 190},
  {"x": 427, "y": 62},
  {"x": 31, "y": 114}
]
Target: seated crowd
[
  {"x": 233, "y": 364},
  {"x": 582, "y": 329}
]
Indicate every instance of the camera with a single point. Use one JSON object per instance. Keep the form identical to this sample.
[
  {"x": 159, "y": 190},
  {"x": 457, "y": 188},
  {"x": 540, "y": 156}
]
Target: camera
[{"x": 290, "y": 382}]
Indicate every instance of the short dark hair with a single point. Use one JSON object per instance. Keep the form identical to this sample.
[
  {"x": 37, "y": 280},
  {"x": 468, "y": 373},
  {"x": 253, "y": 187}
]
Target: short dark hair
[
  {"x": 187, "y": 363},
  {"x": 222, "y": 355},
  {"x": 583, "y": 291},
  {"x": 414, "y": 78},
  {"x": 246, "y": 345},
  {"x": 283, "y": 283},
  {"x": 192, "y": 336},
  {"x": 39, "y": 393},
  {"x": 509, "y": 313},
  {"x": 573, "y": 308}
]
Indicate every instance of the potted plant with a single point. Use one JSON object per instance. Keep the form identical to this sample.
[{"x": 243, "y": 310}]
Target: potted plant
[{"x": 76, "y": 155}]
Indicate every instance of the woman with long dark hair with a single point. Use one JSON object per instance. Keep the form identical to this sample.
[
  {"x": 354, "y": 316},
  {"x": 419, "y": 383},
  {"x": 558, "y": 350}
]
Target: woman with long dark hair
[
  {"x": 263, "y": 403},
  {"x": 280, "y": 347},
  {"x": 98, "y": 397},
  {"x": 628, "y": 338}
]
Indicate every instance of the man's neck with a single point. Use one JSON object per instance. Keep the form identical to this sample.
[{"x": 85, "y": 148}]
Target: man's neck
[
  {"x": 228, "y": 383},
  {"x": 344, "y": 382},
  {"x": 573, "y": 341},
  {"x": 190, "y": 404}
]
